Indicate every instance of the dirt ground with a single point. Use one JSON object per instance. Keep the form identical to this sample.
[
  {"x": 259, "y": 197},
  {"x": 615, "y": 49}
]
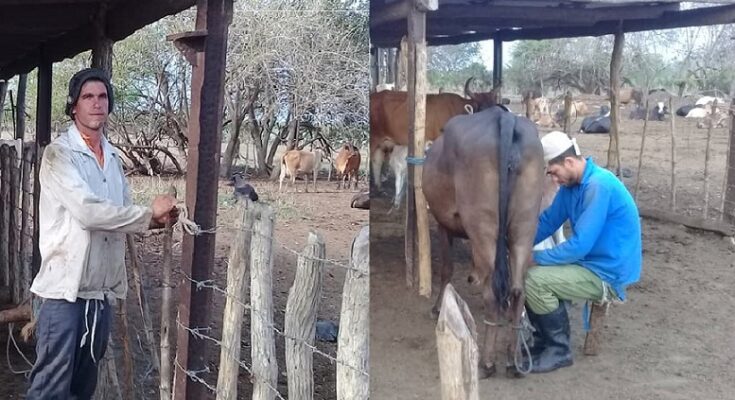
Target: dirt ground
[
  {"x": 327, "y": 211},
  {"x": 672, "y": 339}
]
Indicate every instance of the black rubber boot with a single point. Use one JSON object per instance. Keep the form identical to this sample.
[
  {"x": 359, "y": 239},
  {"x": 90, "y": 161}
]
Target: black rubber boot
[{"x": 554, "y": 328}]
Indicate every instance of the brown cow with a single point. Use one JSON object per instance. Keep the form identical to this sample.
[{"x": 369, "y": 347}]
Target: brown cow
[
  {"x": 389, "y": 119},
  {"x": 295, "y": 162},
  {"x": 628, "y": 94},
  {"x": 483, "y": 180},
  {"x": 347, "y": 164}
]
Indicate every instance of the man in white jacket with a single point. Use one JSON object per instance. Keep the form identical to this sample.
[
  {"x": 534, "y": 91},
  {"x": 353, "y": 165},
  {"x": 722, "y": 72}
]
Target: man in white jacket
[{"x": 85, "y": 211}]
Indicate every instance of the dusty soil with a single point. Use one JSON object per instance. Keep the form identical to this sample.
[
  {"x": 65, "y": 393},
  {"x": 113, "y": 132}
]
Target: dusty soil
[
  {"x": 672, "y": 339},
  {"x": 326, "y": 211}
]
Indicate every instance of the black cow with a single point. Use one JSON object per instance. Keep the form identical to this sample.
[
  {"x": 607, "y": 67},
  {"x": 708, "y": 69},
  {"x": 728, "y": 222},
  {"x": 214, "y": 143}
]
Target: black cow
[
  {"x": 684, "y": 110},
  {"x": 657, "y": 113},
  {"x": 599, "y": 123}
]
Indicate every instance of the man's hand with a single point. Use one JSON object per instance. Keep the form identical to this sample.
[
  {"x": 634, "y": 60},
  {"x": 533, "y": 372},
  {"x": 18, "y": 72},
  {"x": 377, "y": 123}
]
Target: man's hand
[{"x": 164, "y": 211}]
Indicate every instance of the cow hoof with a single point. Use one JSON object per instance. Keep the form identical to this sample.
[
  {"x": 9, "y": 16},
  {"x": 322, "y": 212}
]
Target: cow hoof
[
  {"x": 486, "y": 371},
  {"x": 434, "y": 313},
  {"x": 511, "y": 372}
]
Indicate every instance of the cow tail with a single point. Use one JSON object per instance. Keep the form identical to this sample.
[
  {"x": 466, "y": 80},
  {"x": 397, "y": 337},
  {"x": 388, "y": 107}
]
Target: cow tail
[{"x": 506, "y": 175}]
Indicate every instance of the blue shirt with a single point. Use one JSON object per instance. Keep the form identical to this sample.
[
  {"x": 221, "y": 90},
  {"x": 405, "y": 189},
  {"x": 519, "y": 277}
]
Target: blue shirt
[{"x": 606, "y": 229}]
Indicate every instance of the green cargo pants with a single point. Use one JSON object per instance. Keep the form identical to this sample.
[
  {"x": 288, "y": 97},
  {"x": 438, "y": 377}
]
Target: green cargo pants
[{"x": 546, "y": 285}]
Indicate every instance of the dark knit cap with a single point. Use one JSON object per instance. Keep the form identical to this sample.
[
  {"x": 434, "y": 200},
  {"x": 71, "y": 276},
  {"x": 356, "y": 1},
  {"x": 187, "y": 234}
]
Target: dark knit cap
[{"x": 78, "y": 80}]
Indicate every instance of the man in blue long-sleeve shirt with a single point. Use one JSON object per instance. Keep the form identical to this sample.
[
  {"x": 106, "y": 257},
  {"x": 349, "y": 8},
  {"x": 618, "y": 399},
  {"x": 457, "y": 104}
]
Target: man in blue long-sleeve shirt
[{"x": 598, "y": 262}]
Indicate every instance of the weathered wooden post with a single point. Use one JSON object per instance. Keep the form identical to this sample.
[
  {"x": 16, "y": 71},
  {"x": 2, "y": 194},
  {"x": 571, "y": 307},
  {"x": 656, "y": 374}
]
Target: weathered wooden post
[
  {"x": 15, "y": 270},
  {"x": 594, "y": 337},
  {"x": 263, "y": 352},
  {"x": 567, "y": 112},
  {"x": 140, "y": 282},
  {"x": 673, "y": 158},
  {"x": 300, "y": 324},
  {"x": 616, "y": 64},
  {"x": 353, "y": 381},
  {"x": 705, "y": 212},
  {"x": 374, "y": 72},
  {"x": 728, "y": 185},
  {"x": 640, "y": 155},
  {"x": 5, "y": 217},
  {"x": 456, "y": 340},
  {"x": 26, "y": 224},
  {"x": 237, "y": 267},
  {"x": 417, "y": 88},
  {"x": 166, "y": 369}
]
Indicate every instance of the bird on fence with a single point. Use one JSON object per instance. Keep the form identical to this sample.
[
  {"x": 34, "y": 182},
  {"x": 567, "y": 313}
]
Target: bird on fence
[{"x": 243, "y": 190}]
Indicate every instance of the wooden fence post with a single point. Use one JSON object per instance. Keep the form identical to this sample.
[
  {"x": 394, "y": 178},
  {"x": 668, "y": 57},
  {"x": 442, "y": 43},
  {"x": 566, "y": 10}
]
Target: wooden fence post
[
  {"x": 707, "y": 159},
  {"x": 26, "y": 223},
  {"x": 728, "y": 184},
  {"x": 567, "y": 112},
  {"x": 301, "y": 308},
  {"x": 140, "y": 281},
  {"x": 456, "y": 340},
  {"x": 640, "y": 154},
  {"x": 166, "y": 369},
  {"x": 4, "y": 217},
  {"x": 14, "y": 267},
  {"x": 673, "y": 158},
  {"x": 353, "y": 380},
  {"x": 237, "y": 268},
  {"x": 616, "y": 64},
  {"x": 263, "y": 353}
]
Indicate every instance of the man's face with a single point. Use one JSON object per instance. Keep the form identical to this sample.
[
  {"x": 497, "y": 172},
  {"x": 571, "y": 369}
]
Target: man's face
[
  {"x": 562, "y": 173},
  {"x": 92, "y": 105}
]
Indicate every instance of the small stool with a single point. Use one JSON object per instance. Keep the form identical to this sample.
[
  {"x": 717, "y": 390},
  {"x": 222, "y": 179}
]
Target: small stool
[{"x": 597, "y": 320}]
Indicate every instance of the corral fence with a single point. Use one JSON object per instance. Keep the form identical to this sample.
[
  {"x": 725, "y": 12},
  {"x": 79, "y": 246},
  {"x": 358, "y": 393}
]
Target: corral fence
[
  {"x": 250, "y": 265},
  {"x": 17, "y": 166}
]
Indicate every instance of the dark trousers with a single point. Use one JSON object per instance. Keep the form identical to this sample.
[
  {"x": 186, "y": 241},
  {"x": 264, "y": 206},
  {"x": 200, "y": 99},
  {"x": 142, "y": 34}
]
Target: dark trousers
[{"x": 65, "y": 368}]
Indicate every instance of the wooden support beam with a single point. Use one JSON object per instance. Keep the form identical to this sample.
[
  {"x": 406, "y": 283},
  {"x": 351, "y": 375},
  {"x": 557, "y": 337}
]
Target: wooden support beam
[
  {"x": 668, "y": 20},
  {"x": 20, "y": 114},
  {"x": 553, "y": 14},
  {"x": 497, "y": 66},
  {"x": 417, "y": 108},
  {"x": 374, "y": 71},
  {"x": 393, "y": 12}
]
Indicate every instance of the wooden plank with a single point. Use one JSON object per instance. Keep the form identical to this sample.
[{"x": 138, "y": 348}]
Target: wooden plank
[
  {"x": 353, "y": 381},
  {"x": 567, "y": 112},
  {"x": 263, "y": 352},
  {"x": 593, "y": 339},
  {"x": 396, "y": 11},
  {"x": 300, "y": 320},
  {"x": 456, "y": 341},
  {"x": 237, "y": 268},
  {"x": 720, "y": 227}
]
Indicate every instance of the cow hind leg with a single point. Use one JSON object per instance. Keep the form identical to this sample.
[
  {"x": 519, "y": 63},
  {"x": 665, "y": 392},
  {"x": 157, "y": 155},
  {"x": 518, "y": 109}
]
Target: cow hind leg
[
  {"x": 377, "y": 166},
  {"x": 445, "y": 252},
  {"x": 483, "y": 257}
]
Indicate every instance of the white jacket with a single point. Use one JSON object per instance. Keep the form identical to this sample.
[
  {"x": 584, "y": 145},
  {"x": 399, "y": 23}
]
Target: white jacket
[{"x": 85, "y": 212}]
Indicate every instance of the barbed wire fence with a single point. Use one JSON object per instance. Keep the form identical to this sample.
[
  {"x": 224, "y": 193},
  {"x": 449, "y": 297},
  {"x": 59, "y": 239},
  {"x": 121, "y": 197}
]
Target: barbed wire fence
[{"x": 252, "y": 254}]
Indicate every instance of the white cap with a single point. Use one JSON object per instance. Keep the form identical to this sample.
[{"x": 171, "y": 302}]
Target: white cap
[{"x": 555, "y": 143}]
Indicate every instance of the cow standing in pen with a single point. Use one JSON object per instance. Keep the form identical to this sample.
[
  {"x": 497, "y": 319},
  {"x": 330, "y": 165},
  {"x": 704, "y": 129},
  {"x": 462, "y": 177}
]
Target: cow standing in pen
[{"x": 483, "y": 179}]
